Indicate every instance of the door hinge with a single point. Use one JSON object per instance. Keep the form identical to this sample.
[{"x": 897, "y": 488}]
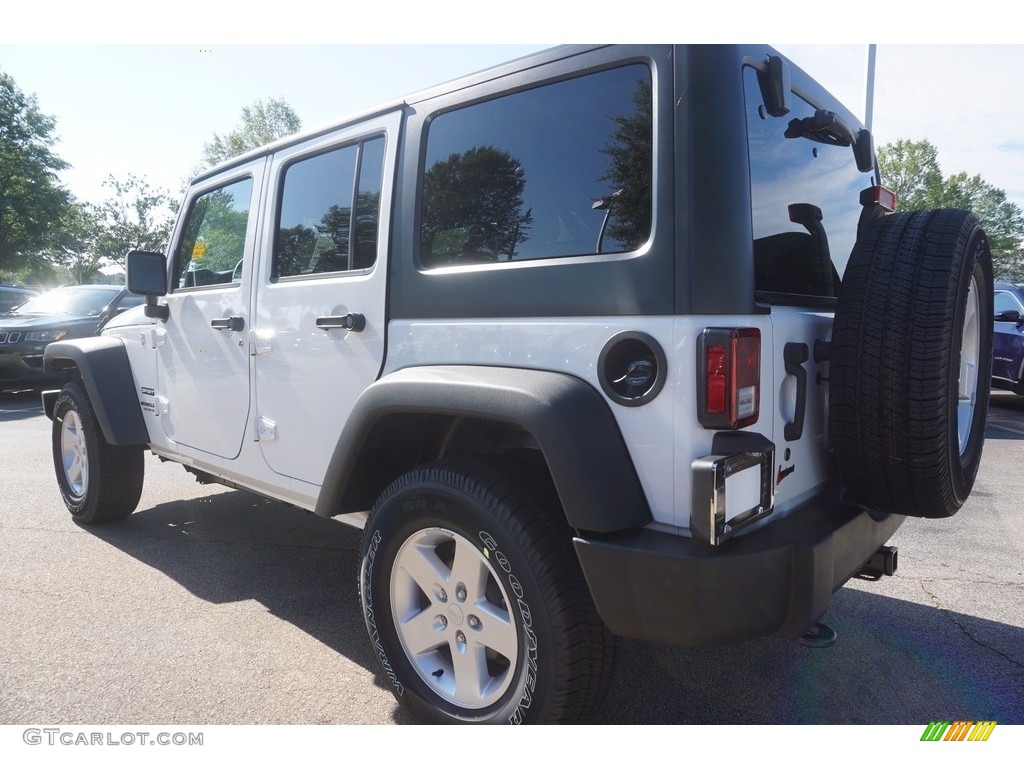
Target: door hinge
[
  {"x": 265, "y": 429},
  {"x": 260, "y": 344},
  {"x": 153, "y": 338}
]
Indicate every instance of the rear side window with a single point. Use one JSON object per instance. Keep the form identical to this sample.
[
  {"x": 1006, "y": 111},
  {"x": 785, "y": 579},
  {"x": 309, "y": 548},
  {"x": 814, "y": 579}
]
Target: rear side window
[
  {"x": 330, "y": 206},
  {"x": 559, "y": 170},
  {"x": 791, "y": 180}
]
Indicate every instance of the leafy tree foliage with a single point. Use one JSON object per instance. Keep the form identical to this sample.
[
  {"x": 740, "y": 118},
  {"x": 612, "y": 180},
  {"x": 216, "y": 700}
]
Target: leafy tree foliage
[
  {"x": 262, "y": 122},
  {"x": 45, "y": 235},
  {"x": 71, "y": 247},
  {"x": 31, "y": 199},
  {"x": 911, "y": 170},
  {"x": 135, "y": 215}
]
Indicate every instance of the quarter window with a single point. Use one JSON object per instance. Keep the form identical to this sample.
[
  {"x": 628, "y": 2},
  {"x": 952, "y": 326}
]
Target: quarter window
[
  {"x": 330, "y": 207},
  {"x": 560, "y": 170}
]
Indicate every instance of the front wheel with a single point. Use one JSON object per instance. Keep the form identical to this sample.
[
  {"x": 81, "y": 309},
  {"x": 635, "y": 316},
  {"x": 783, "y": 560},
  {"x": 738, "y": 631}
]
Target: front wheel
[
  {"x": 98, "y": 481},
  {"x": 474, "y": 602}
]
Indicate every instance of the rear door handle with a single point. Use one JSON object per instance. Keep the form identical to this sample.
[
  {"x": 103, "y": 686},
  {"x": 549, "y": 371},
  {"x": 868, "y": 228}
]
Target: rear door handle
[
  {"x": 234, "y": 323},
  {"x": 353, "y": 321}
]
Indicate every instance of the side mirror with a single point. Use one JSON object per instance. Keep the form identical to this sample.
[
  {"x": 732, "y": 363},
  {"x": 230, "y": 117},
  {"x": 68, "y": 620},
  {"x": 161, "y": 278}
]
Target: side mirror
[
  {"x": 146, "y": 275},
  {"x": 1008, "y": 316}
]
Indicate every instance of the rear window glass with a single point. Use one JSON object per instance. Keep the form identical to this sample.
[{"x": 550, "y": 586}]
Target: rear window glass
[
  {"x": 791, "y": 181},
  {"x": 560, "y": 170}
]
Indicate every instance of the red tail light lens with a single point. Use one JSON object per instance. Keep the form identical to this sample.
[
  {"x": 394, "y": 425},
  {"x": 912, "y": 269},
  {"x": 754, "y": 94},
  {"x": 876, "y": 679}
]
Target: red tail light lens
[
  {"x": 715, "y": 380},
  {"x": 729, "y": 377}
]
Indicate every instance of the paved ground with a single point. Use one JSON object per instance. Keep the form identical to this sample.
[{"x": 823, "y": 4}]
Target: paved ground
[{"x": 211, "y": 606}]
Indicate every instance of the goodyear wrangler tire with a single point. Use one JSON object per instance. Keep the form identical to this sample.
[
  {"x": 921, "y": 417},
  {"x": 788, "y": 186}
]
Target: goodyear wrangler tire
[
  {"x": 474, "y": 602},
  {"x": 98, "y": 481},
  {"x": 912, "y": 361}
]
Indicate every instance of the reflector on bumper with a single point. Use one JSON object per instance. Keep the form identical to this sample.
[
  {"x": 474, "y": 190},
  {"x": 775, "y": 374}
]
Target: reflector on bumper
[{"x": 730, "y": 492}]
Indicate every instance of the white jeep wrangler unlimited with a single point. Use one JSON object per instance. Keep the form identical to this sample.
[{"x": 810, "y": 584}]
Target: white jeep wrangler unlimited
[{"x": 604, "y": 341}]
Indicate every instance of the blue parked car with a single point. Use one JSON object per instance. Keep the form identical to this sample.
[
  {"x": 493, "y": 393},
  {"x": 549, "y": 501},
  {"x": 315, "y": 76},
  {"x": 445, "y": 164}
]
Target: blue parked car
[{"x": 1008, "y": 339}]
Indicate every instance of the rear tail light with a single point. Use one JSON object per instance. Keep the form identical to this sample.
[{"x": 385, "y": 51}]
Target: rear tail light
[{"x": 728, "y": 377}]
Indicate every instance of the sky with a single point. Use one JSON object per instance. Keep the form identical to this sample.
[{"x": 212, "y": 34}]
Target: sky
[
  {"x": 149, "y": 109},
  {"x": 964, "y": 99}
]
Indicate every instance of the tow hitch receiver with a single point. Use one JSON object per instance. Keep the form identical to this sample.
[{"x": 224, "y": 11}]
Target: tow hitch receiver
[{"x": 882, "y": 563}]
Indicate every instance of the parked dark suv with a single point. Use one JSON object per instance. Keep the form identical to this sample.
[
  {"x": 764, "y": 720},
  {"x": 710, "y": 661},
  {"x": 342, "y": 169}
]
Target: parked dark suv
[{"x": 69, "y": 312}]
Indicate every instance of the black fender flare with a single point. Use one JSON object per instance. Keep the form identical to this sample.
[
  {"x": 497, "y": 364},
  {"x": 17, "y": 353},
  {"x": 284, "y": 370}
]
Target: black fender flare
[
  {"x": 569, "y": 419},
  {"x": 103, "y": 366}
]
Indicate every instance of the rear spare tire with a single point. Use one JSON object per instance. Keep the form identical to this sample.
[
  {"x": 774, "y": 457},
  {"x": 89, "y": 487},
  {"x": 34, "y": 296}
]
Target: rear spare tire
[{"x": 912, "y": 361}]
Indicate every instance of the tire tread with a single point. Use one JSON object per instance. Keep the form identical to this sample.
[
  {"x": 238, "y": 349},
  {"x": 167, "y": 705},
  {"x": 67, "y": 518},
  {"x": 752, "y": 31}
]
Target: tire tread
[
  {"x": 890, "y": 368},
  {"x": 115, "y": 471}
]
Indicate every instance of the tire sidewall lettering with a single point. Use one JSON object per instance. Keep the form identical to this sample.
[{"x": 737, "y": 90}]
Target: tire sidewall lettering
[
  {"x": 370, "y": 617},
  {"x": 529, "y": 684}
]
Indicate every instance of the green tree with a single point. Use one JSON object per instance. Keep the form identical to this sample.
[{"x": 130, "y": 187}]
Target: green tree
[
  {"x": 262, "y": 122},
  {"x": 134, "y": 215},
  {"x": 71, "y": 247},
  {"x": 31, "y": 199},
  {"x": 1002, "y": 219},
  {"x": 911, "y": 170}
]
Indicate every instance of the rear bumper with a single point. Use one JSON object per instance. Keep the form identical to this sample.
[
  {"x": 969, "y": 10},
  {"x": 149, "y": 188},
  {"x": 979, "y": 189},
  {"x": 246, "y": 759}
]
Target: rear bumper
[{"x": 777, "y": 580}]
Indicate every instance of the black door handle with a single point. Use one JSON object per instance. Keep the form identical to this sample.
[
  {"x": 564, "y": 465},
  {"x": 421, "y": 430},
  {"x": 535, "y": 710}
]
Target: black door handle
[
  {"x": 353, "y": 321},
  {"x": 234, "y": 323}
]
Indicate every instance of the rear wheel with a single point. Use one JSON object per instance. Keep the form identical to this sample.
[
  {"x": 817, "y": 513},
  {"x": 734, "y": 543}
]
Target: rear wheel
[
  {"x": 912, "y": 362},
  {"x": 98, "y": 481},
  {"x": 475, "y": 604}
]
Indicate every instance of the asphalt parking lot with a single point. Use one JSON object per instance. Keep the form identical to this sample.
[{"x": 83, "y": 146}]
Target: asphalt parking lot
[{"x": 211, "y": 606}]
